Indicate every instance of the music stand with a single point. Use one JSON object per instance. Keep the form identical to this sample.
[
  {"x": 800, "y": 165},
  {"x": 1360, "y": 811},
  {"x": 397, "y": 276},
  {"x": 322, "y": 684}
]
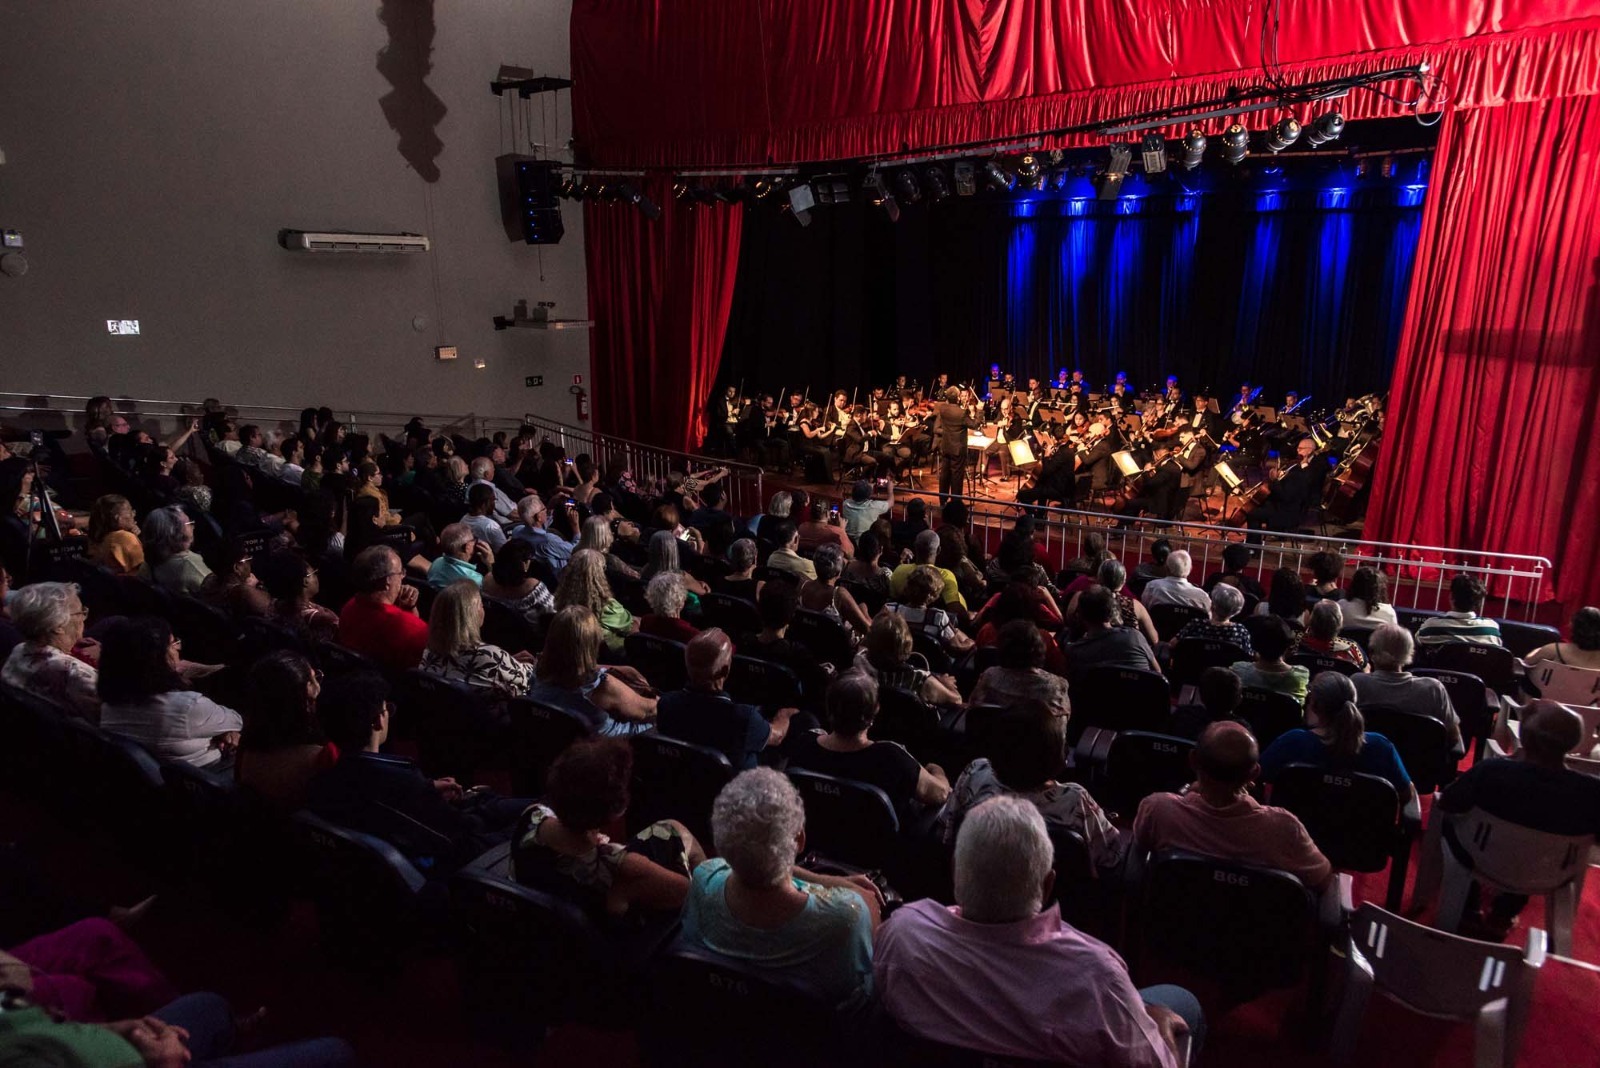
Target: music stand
[{"x": 1230, "y": 482}]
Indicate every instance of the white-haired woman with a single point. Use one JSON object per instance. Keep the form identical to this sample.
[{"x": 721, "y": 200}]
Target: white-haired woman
[
  {"x": 170, "y": 561},
  {"x": 754, "y": 905},
  {"x": 665, "y": 559},
  {"x": 456, "y": 649},
  {"x": 596, "y": 534},
  {"x": 824, "y": 594},
  {"x": 740, "y": 581},
  {"x": 50, "y": 617},
  {"x": 666, "y": 596},
  {"x": 1222, "y": 626}
]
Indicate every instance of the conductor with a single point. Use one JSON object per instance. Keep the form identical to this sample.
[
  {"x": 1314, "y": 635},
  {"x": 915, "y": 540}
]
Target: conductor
[{"x": 953, "y": 425}]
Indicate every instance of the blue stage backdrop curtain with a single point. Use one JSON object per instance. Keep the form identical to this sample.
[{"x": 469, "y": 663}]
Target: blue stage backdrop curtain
[{"x": 1274, "y": 289}]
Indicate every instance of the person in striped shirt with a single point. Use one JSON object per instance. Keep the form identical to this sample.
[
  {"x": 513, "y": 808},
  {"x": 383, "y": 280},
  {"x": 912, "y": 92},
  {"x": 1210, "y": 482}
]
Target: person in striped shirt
[{"x": 1463, "y": 624}]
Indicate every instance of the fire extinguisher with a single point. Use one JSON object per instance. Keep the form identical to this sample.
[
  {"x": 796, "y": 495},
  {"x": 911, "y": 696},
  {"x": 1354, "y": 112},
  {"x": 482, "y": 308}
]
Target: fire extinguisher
[{"x": 582, "y": 397}]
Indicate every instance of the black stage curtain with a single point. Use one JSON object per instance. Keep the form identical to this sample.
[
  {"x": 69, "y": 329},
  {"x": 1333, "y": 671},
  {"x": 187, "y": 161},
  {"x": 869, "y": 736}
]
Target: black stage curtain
[{"x": 1301, "y": 290}]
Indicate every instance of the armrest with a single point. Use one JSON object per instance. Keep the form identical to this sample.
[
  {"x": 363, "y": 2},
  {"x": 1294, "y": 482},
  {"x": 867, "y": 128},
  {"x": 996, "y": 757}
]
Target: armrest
[
  {"x": 1133, "y": 862},
  {"x": 1411, "y": 816},
  {"x": 1337, "y": 902}
]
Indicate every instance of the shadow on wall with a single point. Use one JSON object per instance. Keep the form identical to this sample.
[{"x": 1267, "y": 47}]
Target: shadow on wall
[{"x": 413, "y": 110}]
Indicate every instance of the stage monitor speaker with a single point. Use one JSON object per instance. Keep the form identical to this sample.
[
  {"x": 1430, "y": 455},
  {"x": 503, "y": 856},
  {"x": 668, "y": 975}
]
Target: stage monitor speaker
[{"x": 529, "y": 207}]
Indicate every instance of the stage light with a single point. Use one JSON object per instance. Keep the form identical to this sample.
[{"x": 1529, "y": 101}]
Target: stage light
[
  {"x": 937, "y": 184},
  {"x": 1107, "y": 186},
  {"x": 1121, "y": 160},
  {"x": 879, "y": 195},
  {"x": 1029, "y": 173},
  {"x": 831, "y": 188},
  {"x": 965, "y": 177},
  {"x": 1194, "y": 148},
  {"x": 905, "y": 183},
  {"x": 1285, "y": 132},
  {"x": 1235, "y": 143},
  {"x": 1154, "y": 150},
  {"x": 1329, "y": 127},
  {"x": 801, "y": 201},
  {"x": 1059, "y": 179},
  {"x": 998, "y": 177},
  {"x": 680, "y": 191},
  {"x": 569, "y": 187},
  {"x": 647, "y": 207},
  {"x": 765, "y": 187}
]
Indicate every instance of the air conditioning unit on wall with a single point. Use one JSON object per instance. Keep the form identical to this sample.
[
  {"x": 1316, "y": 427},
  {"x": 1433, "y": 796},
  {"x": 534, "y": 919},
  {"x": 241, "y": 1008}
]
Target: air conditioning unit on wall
[{"x": 342, "y": 241}]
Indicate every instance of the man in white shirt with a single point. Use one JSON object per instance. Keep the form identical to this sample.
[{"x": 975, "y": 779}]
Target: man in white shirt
[
  {"x": 1176, "y": 588},
  {"x": 861, "y": 511},
  {"x": 482, "y": 470}
]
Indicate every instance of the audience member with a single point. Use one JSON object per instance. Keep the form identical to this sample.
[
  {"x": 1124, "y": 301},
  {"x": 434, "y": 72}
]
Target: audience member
[
  {"x": 143, "y": 697},
  {"x": 457, "y": 652},
  {"x": 114, "y": 536},
  {"x": 778, "y": 510},
  {"x": 480, "y": 517},
  {"x": 169, "y": 559},
  {"x": 462, "y": 557},
  {"x": 1221, "y": 692},
  {"x": 922, "y": 588},
  {"x": 1390, "y": 685},
  {"x": 1269, "y": 671},
  {"x": 1156, "y": 566},
  {"x": 706, "y": 714},
  {"x": 1335, "y": 736},
  {"x": 861, "y": 510},
  {"x": 1217, "y": 817},
  {"x": 913, "y": 523},
  {"x": 573, "y": 842},
  {"x": 1027, "y": 757},
  {"x": 777, "y": 606},
  {"x": 666, "y": 597},
  {"x": 281, "y": 746},
  {"x": 380, "y": 621},
  {"x": 885, "y": 657},
  {"x": 1324, "y": 621},
  {"x": 481, "y": 472},
  {"x": 740, "y": 579},
  {"x": 292, "y": 583},
  {"x": 234, "y": 588},
  {"x": 1226, "y": 603},
  {"x": 583, "y": 585},
  {"x": 1020, "y": 675},
  {"x": 824, "y": 594},
  {"x": 818, "y": 528},
  {"x": 754, "y": 905},
  {"x": 1286, "y": 599},
  {"x": 50, "y": 617},
  {"x": 923, "y": 551},
  {"x": 1235, "y": 559},
  {"x": 511, "y": 582},
  {"x": 1584, "y": 648},
  {"x": 597, "y": 534},
  {"x": 1327, "y": 568},
  {"x": 1366, "y": 604},
  {"x": 1464, "y": 622},
  {"x": 534, "y": 527},
  {"x": 1001, "y": 974},
  {"x": 1175, "y": 588},
  {"x": 665, "y": 560},
  {"x": 609, "y": 700},
  {"x": 846, "y": 751},
  {"x": 1534, "y": 789},
  {"x": 954, "y": 557},
  {"x": 865, "y": 570},
  {"x": 1130, "y": 610},
  {"x": 1105, "y": 643},
  {"x": 786, "y": 557}
]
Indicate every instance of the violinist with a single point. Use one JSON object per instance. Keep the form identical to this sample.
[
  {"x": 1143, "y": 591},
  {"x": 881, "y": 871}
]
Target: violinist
[
  {"x": 837, "y": 415},
  {"x": 1172, "y": 395},
  {"x": 1053, "y": 479},
  {"x": 1157, "y": 422},
  {"x": 722, "y": 423},
  {"x": 1094, "y": 457},
  {"x": 1159, "y": 487},
  {"x": 1292, "y": 492},
  {"x": 1010, "y": 426},
  {"x": 1038, "y": 397},
  {"x": 811, "y": 442},
  {"x": 895, "y": 443}
]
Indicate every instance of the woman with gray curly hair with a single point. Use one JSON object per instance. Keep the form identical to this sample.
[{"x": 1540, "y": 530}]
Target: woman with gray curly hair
[
  {"x": 753, "y": 904},
  {"x": 169, "y": 557},
  {"x": 666, "y": 597},
  {"x": 50, "y": 617},
  {"x": 824, "y": 594}
]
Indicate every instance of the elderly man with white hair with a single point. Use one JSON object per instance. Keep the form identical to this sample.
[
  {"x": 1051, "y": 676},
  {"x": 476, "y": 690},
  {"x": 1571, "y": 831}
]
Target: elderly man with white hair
[
  {"x": 50, "y": 617},
  {"x": 1002, "y": 974},
  {"x": 754, "y": 905},
  {"x": 1390, "y": 685},
  {"x": 482, "y": 474},
  {"x": 461, "y": 555},
  {"x": 533, "y": 527},
  {"x": 706, "y": 714},
  {"x": 1175, "y": 587}
]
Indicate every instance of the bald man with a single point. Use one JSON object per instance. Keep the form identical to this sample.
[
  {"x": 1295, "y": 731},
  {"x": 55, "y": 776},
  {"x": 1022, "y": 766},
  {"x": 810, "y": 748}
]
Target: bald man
[
  {"x": 1219, "y": 818},
  {"x": 1534, "y": 788}
]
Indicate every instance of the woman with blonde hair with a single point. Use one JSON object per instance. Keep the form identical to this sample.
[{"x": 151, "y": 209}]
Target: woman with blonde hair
[
  {"x": 611, "y": 700},
  {"x": 886, "y": 656},
  {"x": 583, "y": 584},
  {"x": 456, "y": 649},
  {"x": 596, "y": 534},
  {"x": 114, "y": 536}
]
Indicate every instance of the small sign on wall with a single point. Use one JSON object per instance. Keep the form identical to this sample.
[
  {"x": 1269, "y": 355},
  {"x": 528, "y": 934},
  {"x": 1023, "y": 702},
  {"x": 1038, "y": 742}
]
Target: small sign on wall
[
  {"x": 533, "y": 380},
  {"x": 577, "y": 380},
  {"x": 122, "y": 326}
]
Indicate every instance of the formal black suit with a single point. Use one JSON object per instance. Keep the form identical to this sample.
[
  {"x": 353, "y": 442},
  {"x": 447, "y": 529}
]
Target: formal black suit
[
  {"x": 1295, "y": 491},
  {"x": 1096, "y": 464},
  {"x": 953, "y": 425},
  {"x": 1055, "y": 481},
  {"x": 1162, "y": 494}
]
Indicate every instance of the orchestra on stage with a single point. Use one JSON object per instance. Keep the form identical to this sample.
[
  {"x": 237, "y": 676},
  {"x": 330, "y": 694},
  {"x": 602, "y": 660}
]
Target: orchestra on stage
[{"x": 1162, "y": 453}]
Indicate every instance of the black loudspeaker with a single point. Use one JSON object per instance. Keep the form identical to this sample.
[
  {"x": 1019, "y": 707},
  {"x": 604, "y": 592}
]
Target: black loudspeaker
[{"x": 529, "y": 207}]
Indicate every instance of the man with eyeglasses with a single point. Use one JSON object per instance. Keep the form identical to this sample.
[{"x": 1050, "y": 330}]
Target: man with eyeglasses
[
  {"x": 462, "y": 556},
  {"x": 381, "y": 620}
]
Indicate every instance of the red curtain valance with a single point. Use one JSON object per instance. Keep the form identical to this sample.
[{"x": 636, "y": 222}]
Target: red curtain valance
[{"x": 730, "y": 82}]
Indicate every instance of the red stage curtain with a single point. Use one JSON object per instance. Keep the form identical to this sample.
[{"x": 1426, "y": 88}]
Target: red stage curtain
[
  {"x": 659, "y": 292},
  {"x": 1496, "y": 393}
]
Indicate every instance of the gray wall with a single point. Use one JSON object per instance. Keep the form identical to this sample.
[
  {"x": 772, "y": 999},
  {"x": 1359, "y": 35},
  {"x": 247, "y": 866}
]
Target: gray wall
[{"x": 154, "y": 149}]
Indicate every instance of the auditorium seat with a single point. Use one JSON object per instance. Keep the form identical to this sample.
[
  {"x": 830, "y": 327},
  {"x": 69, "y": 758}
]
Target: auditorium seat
[
  {"x": 209, "y": 635},
  {"x": 1118, "y": 699},
  {"x": 661, "y": 660},
  {"x": 758, "y": 682},
  {"x": 1523, "y": 638},
  {"x": 1422, "y": 742},
  {"x": 1191, "y": 656},
  {"x": 508, "y": 628},
  {"x": 259, "y": 636},
  {"x": 1141, "y": 763},
  {"x": 848, "y": 822},
  {"x": 1269, "y": 714},
  {"x": 1169, "y": 619},
  {"x": 827, "y": 638},
  {"x": 370, "y": 900},
  {"x": 1317, "y": 663},
  {"x": 1470, "y": 699},
  {"x": 1440, "y": 976},
  {"x": 1494, "y": 665},
  {"x": 459, "y": 729},
  {"x": 735, "y": 615},
  {"x": 674, "y": 779},
  {"x": 539, "y": 734},
  {"x": 1355, "y": 819}
]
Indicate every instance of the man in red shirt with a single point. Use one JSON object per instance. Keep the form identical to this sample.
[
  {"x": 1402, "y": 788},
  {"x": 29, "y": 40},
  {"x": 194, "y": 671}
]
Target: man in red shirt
[
  {"x": 1219, "y": 818},
  {"x": 381, "y": 620}
]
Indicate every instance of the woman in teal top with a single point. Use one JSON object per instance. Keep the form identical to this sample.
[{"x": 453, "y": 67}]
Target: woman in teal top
[
  {"x": 754, "y": 906},
  {"x": 1334, "y": 737}
]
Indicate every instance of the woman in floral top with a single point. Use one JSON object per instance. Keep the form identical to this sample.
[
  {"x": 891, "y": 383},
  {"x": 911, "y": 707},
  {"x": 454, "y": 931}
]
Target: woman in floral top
[
  {"x": 457, "y": 652},
  {"x": 50, "y": 617},
  {"x": 1029, "y": 749}
]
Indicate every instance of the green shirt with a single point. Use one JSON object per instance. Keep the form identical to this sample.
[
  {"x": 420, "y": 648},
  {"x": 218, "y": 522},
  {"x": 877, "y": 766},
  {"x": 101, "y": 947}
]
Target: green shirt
[{"x": 30, "y": 1038}]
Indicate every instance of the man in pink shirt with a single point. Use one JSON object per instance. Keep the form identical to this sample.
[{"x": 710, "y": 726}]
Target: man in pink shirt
[
  {"x": 1000, "y": 974},
  {"x": 381, "y": 620},
  {"x": 1219, "y": 818}
]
